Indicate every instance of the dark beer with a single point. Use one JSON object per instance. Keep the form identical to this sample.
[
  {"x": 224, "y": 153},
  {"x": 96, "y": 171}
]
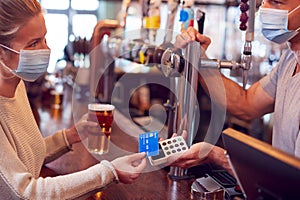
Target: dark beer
[
  {"x": 99, "y": 137},
  {"x": 103, "y": 117}
]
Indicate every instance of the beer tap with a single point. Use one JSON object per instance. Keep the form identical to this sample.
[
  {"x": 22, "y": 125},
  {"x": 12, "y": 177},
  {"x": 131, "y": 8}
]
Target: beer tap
[
  {"x": 246, "y": 58},
  {"x": 151, "y": 19},
  {"x": 168, "y": 59},
  {"x": 172, "y": 60},
  {"x": 186, "y": 14},
  {"x": 124, "y": 13},
  {"x": 172, "y": 10},
  {"x": 200, "y": 18}
]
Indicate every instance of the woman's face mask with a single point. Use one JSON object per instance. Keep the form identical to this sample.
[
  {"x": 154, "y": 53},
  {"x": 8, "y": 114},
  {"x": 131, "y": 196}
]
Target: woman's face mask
[
  {"x": 32, "y": 63},
  {"x": 274, "y": 24}
]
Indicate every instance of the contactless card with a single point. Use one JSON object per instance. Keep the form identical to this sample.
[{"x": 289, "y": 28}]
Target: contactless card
[{"x": 148, "y": 142}]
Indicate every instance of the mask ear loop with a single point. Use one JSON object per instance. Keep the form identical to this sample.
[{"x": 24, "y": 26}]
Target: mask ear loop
[
  {"x": 8, "y": 48},
  {"x": 294, "y": 9},
  {"x": 297, "y": 30},
  {"x": 5, "y": 66},
  {"x": 8, "y": 69}
]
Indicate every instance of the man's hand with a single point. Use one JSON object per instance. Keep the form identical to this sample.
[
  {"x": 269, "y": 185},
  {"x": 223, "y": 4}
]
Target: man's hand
[{"x": 191, "y": 35}]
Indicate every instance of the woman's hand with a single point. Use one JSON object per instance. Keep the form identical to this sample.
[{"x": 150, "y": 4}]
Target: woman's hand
[
  {"x": 79, "y": 127},
  {"x": 129, "y": 167},
  {"x": 190, "y": 35}
]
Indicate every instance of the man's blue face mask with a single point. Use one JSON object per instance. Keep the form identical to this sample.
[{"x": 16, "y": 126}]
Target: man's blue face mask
[{"x": 274, "y": 24}]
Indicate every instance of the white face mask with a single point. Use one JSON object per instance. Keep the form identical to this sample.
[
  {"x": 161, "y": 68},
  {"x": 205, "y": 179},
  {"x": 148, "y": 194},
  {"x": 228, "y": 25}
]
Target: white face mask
[
  {"x": 32, "y": 63},
  {"x": 274, "y": 24}
]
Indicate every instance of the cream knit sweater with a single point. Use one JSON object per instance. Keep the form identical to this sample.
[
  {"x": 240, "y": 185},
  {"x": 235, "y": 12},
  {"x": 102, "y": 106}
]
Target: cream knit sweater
[{"x": 23, "y": 151}]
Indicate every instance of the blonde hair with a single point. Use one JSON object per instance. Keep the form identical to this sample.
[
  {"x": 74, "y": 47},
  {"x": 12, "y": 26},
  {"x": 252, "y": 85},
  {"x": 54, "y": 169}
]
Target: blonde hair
[{"x": 14, "y": 14}]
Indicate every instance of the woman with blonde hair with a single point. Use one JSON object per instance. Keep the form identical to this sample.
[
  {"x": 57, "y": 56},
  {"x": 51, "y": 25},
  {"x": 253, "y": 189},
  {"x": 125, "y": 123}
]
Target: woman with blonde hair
[{"x": 24, "y": 55}]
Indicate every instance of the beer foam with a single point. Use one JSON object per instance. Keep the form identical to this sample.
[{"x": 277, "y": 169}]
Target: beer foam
[{"x": 100, "y": 107}]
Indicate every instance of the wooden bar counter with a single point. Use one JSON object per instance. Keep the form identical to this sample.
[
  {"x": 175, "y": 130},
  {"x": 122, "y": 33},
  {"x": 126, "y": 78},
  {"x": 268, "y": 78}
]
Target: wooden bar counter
[{"x": 153, "y": 183}]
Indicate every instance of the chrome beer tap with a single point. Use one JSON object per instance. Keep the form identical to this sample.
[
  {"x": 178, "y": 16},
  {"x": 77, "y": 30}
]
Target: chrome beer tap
[
  {"x": 246, "y": 58},
  {"x": 172, "y": 10},
  {"x": 173, "y": 61}
]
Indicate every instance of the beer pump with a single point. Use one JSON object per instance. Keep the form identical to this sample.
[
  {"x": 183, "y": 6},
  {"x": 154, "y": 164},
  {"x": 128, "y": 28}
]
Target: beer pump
[{"x": 249, "y": 37}]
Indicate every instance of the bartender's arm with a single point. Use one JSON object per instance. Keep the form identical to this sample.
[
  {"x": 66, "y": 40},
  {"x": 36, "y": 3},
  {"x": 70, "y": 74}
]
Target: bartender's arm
[{"x": 244, "y": 104}]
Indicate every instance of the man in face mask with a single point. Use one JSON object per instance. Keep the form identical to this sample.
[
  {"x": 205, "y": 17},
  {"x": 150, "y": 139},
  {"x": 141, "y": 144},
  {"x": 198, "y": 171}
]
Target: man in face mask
[
  {"x": 275, "y": 22},
  {"x": 277, "y": 92}
]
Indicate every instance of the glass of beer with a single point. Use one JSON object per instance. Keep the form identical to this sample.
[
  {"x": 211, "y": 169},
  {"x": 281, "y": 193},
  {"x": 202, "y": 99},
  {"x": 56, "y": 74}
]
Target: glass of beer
[
  {"x": 57, "y": 99},
  {"x": 99, "y": 137}
]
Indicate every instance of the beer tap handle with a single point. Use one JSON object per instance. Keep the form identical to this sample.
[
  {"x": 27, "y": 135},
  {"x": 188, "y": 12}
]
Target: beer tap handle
[{"x": 200, "y": 18}]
